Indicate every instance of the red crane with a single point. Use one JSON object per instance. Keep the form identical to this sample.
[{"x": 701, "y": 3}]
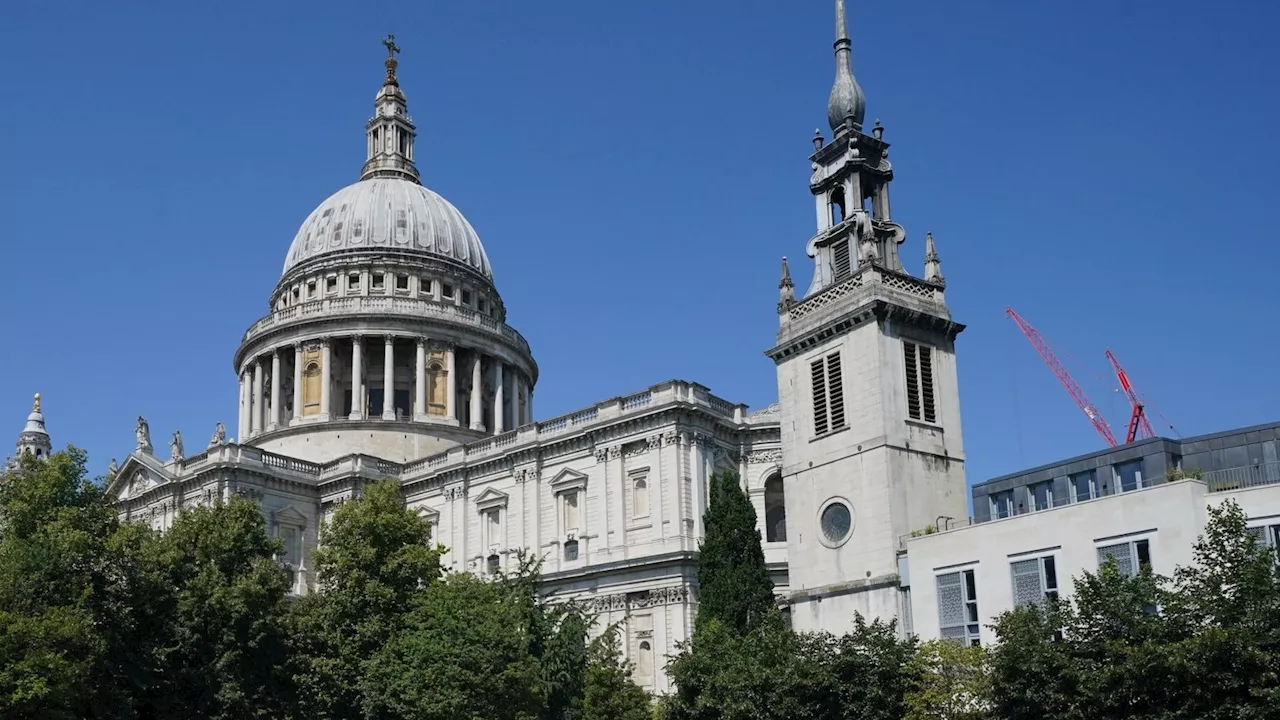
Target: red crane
[
  {"x": 1042, "y": 346},
  {"x": 1138, "y": 419}
]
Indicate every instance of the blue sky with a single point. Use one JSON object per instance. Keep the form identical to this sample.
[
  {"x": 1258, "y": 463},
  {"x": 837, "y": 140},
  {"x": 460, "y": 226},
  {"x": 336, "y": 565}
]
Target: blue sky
[{"x": 636, "y": 170}]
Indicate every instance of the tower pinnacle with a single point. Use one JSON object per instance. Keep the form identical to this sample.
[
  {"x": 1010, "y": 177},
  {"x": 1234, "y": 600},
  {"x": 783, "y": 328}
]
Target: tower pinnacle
[
  {"x": 390, "y": 132},
  {"x": 34, "y": 438},
  {"x": 847, "y": 105}
]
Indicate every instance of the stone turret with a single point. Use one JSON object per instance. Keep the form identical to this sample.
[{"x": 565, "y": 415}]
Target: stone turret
[{"x": 34, "y": 438}]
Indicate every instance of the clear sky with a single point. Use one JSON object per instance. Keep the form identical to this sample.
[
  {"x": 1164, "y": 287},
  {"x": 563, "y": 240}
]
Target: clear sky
[{"x": 636, "y": 170}]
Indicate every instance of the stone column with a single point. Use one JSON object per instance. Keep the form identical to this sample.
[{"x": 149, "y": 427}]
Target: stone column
[
  {"x": 242, "y": 430},
  {"x": 326, "y": 379},
  {"x": 357, "y": 373},
  {"x": 297, "y": 381},
  {"x": 420, "y": 382},
  {"x": 258, "y": 415},
  {"x": 389, "y": 379},
  {"x": 451, "y": 384},
  {"x": 499, "y": 399},
  {"x": 275, "y": 389},
  {"x": 477, "y": 421}
]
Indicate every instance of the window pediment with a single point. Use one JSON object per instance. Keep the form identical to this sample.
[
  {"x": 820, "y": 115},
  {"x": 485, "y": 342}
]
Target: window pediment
[
  {"x": 491, "y": 499},
  {"x": 568, "y": 479},
  {"x": 429, "y": 514},
  {"x": 289, "y": 515}
]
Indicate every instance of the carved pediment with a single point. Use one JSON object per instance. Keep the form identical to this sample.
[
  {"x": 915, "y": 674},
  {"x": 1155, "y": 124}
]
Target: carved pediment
[
  {"x": 289, "y": 515},
  {"x": 490, "y": 499},
  {"x": 429, "y": 514},
  {"x": 568, "y": 479}
]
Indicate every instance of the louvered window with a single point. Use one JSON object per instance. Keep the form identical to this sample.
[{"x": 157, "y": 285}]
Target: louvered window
[
  {"x": 840, "y": 258},
  {"x": 1130, "y": 557},
  {"x": 1035, "y": 580},
  {"x": 828, "y": 394},
  {"x": 1268, "y": 537},
  {"x": 917, "y": 361},
  {"x": 958, "y": 608}
]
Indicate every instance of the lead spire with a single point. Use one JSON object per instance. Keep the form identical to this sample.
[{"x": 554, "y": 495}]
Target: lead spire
[
  {"x": 390, "y": 132},
  {"x": 847, "y": 105}
]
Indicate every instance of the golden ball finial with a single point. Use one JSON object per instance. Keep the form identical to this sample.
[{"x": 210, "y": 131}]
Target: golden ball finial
[{"x": 35, "y": 406}]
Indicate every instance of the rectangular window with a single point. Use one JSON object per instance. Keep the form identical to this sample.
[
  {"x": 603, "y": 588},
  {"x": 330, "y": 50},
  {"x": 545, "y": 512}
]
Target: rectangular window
[
  {"x": 1001, "y": 504},
  {"x": 828, "y": 394},
  {"x": 1040, "y": 495},
  {"x": 1128, "y": 475},
  {"x": 379, "y": 282},
  {"x": 1268, "y": 536},
  {"x": 958, "y": 608},
  {"x": 1130, "y": 556},
  {"x": 917, "y": 361},
  {"x": 1084, "y": 486},
  {"x": 571, "y": 519},
  {"x": 447, "y": 291},
  {"x": 466, "y": 298},
  {"x": 1035, "y": 580},
  {"x": 426, "y": 286},
  {"x": 331, "y": 284},
  {"x": 840, "y": 259},
  {"x": 311, "y": 289},
  {"x": 402, "y": 282},
  {"x": 493, "y": 528},
  {"x": 353, "y": 281}
]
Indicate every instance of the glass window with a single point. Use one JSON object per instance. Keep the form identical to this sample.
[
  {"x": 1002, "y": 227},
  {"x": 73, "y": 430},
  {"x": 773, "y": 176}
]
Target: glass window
[
  {"x": 1129, "y": 475},
  {"x": 1084, "y": 485},
  {"x": 571, "y": 514},
  {"x": 1034, "y": 580},
  {"x": 1041, "y": 495},
  {"x": 1129, "y": 557},
  {"x": 775, "y": 510},
  {"x": 1002, "y": 504},
  {"x": 958, "y": 608}
]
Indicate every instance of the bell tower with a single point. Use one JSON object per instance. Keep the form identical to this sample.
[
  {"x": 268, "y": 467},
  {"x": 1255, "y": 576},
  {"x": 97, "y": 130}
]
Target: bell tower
[{"x": 870, "y": 409}]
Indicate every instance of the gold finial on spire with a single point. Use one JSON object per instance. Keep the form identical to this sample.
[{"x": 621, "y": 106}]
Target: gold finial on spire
[
  {"x": 392, "y": 50},
  {"x": 35, "y": 406}
]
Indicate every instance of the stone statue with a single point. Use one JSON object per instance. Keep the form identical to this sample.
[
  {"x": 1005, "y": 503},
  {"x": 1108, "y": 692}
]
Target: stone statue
[
  {"x": 175, "y": 446},
  {"x": 143, "y": 433},
  {"x": 113, "y": 468},
  {"x": 219, "y": 436}
]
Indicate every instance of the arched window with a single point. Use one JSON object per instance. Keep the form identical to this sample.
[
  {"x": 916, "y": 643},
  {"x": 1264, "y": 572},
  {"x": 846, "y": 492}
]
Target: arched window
[
  {"x": 311, "y": 388},
  {"x": 644, "y": 660},
  {"x": 437, "y": 396},
  {"x": 775, "y": 510},
  {"x": 640, "y": 498},
  {"x": 838, "y": 214}
]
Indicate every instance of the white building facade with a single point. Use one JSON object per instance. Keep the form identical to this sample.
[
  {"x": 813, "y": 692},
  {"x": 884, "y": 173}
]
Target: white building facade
[{"x": 385, "y": 353}]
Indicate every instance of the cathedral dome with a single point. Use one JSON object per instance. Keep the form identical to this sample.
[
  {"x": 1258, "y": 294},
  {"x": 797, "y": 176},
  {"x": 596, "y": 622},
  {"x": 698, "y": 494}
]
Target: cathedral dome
[{"x": 388, "y": 214}]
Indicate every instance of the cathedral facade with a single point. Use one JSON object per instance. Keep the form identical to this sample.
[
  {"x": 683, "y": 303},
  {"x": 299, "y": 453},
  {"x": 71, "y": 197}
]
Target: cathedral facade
[{"x": 385, "y": 353}]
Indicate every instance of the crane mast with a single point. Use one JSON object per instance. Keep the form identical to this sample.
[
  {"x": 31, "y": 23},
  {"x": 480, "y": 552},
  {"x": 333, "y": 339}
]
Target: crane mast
[
  {"x": 1064, "y": 376},
  {"x": 1138, "y": 418}
]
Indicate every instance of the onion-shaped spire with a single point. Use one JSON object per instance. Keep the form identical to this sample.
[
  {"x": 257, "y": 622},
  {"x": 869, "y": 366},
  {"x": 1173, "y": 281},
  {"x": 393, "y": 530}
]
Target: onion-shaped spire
[{"x": 847, "y": 104}]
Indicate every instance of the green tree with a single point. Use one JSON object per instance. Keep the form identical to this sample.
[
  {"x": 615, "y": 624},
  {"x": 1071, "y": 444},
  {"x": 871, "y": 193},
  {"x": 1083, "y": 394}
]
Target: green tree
[
  {"x": 376, "y": 558},
  {"x": 733, "y": 581},
  {"x": 76, "y": 596},
  {"x": 224, "y": 645},
  {"x": 608, "y": 691},
  {"x": 950, "y": 682},
  {"x": 870, "y": 671},
  {"x": 465, "y": 652}
]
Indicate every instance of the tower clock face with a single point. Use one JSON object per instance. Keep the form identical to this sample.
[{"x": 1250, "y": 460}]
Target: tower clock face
[{"x": 836, "y": 522}]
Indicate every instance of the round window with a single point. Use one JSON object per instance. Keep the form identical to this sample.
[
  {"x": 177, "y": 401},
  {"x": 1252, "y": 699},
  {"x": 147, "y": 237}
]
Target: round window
[{"x": 836, "y": 521}]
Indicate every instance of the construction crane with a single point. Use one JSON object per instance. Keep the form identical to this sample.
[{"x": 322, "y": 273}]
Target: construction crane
[
  {"x": 1138, "y": 418},
  {"x": 1042, "y": 346}
]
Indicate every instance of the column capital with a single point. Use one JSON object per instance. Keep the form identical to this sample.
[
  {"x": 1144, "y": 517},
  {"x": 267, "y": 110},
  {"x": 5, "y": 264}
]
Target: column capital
[
  {"x": 297, "y": 345},
  {"x": 390, "y": 339},
  {"x": 422, "y": 342}
]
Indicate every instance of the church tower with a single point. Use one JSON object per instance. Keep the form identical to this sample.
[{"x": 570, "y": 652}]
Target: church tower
[
  {"x": 34, "y": 438},
  {"x": 870, "y": 409}
]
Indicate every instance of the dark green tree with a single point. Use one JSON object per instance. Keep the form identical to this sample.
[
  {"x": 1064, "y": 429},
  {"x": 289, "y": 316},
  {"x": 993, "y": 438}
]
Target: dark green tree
[
  {"x": 608, "y": 692},
  {"x": 733, "y": 581},
  {"x": 464, "y": 652},
  {"x": 376, "y": 558},
  {"x": 224, "y": 648},
  {"x": 54, "y": 530}
]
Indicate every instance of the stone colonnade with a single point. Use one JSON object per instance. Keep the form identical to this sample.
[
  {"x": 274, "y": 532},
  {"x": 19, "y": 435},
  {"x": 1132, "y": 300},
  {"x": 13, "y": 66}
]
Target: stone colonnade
[{"x": 263, "y": 394}]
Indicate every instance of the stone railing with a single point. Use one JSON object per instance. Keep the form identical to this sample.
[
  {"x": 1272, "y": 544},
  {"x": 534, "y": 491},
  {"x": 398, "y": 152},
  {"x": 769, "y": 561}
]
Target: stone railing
[
  {"x": 866, "y": 278},
  {"x": 380, "y": 305},
  {"x": 606, "y": 412}
]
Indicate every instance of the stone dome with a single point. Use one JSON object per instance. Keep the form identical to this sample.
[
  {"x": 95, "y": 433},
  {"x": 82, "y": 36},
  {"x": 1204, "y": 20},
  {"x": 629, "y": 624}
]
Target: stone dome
[{"x": 388, "y": 215}]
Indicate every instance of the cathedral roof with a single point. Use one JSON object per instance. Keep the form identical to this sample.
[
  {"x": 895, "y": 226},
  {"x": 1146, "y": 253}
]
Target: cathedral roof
[{"x": 388, "y": 215}]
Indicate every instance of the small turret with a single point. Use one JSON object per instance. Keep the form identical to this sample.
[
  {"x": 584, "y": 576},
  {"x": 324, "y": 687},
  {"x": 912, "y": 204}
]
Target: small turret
[
  {"x": 786, "y": 289},
  {"x": 34, "y": 438},
  {"x": 932, "y": 263}
]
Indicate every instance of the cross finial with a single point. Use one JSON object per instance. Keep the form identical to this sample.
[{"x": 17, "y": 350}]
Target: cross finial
[{"x": 390, "y": 44}]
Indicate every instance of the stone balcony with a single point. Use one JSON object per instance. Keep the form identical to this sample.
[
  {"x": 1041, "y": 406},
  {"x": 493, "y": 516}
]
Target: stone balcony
[{"x": 383, "y": 307}]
